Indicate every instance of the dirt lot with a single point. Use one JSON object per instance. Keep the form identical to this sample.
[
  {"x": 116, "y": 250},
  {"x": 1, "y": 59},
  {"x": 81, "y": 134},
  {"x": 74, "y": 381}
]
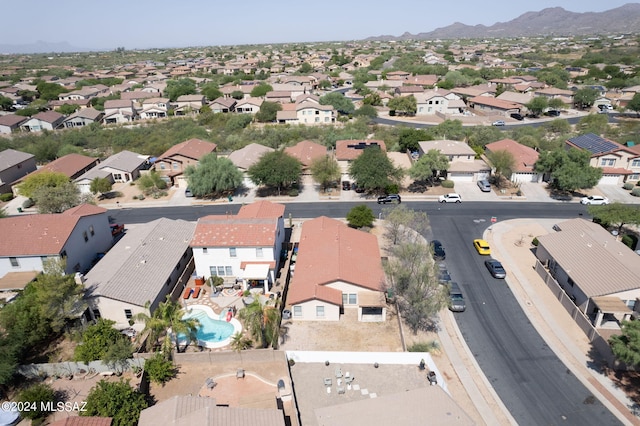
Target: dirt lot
[{"x": 125, "y": 193}]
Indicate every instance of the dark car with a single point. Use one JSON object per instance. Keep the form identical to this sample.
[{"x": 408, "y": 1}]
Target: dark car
[
  {"x": 438, "y": 250},
  {"x": 346, "y": 185},
  {"x": 116, "y": 229},
  {"x": 553, "y": 113},
  {"x": 517, "y": 116},
  {"x": 456, "y": 299},
  {"x": 443, "y": 276},
  {"x": 391, "y": 198},
  {"x": 495, "y": 268},
  {"x": 357, "y": 188}
]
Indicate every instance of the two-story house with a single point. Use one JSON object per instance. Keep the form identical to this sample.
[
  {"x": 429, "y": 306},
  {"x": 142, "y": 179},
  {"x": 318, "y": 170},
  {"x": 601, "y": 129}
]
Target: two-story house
[
  {"x": 77, "y": 236},
  {"x": 306, "y": 112},
  {"x": 463, "y": 165},
  {"x": 154, "y": 108},
  {"x": 14, "y": 165},
  {"x": 172, "y": 163},
  {"x": 435, "y": 102},
  {"x": 119, "y": 111},
  {"x": 348, "y": 150},
  {"x": 524, "y": 156},
  {"x": 245, "y": 249},
  {"x": 619, "y": 163},
  {"x": 189, "y": 104}
]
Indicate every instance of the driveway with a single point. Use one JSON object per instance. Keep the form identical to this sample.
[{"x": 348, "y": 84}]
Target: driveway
[{"x": 615, "y": 193}]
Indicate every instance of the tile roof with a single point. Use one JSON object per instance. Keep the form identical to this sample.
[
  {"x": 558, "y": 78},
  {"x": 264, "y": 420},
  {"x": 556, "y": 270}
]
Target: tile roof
[
  {"x": 82, "y": 421},
  {"x": 11, "y": 157},
  {"x": 136, "y": 269},
  {"x": 249, "y": 155},
  {"x": 127, "y": 161},
  {"x": 69, "y": 165},
  {"x": 306, "y": 151},
  {"x": 48, "y": 116},
  {"x": 599, "y": 264},
  {"x": 493, "y": 102},
  {"x": 192, "y": 148},
  {"x": 351, "y": 149},
  {"x": 11, "y": 120},
  {"x": 261, "y": 209},
  {"x": 447, "y": 147},
  {"x": 525, "y": 156},
  {"x": 234, "y": 231},
  {"x": 331, "y": 251},
  {"x": 41, "y": 234}
]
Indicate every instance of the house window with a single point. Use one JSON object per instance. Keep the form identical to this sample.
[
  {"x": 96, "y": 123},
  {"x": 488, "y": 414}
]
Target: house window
[
  {"x": 85, "y": 236},
  {"x": 175, "y": 166},
  {"x": 320, "y": 311},
  {"x": 232, "y": 252},
  {"x": 635, "y": 163},
  {"x": 259, "y": 252},
  {"x": 297, "y": 311},
  {"x": 92, "y": 231},
  {"x": 607, "y": 162},
  {"x": 162, "y": 166},
  {"x": 117, "y": 176},
  {"x": 634, "y": 177},
  {"x": 204, "y": 250},
  {"x": 96, "y": 313},
  {"x": 228, "y": 270},
  {"x": 14, "y": 262},
  {"x": 221, "y": 271},
  {"x": 353, "y": 298},
  {"x": 128, "y": 313},
  {"x": 43, "y": 259}
]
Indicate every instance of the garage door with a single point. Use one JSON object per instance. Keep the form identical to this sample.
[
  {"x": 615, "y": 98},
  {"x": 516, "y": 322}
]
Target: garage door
[
  {"x": 609, "y": 180},
  {"x": 461, "y": 177}
]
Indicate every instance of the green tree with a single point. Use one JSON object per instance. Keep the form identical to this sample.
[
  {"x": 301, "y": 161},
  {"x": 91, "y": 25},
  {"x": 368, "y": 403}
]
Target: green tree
[
  {"x": 43, "y": 179},
  {"x": 305, "y": 68},
  {"x": 276, "y": 169},
  {"x": 56, "y": 199},
  {"x": 240, "y": 343},
  {"x": 429, "y": 165},
  {"x": 537, "y": 105},
  {"x": 373, "y": 170},
  {"x": 96, "y": 341},
  {"x": 341, "y": 103},
  {"x": 403, "y": 105},
  {"x": 360, "y": 216},
  {"x": 556, "y": 103},
  {"x": 573, "y": 175},
  {"x": 100, "y": 185},
  {"x": 238, "y": 122},
  {"x": 585, "y": 98},
  {"x": 403, "y": 224},
  {"x": 626, "y": 346},
  {"x": 159, "y": 369},
  {"x": 237, "y": 94},
  {"x": 167, "y": 321},
  {"x": 211, "y": 91},
  {"x": 366, "y": 111},
  {"x": 49, "y": 91},
  {"x": 67, "y": 109},
  {"x": 593, "y": 123},
  {"x": 616, "y": 214},
  {"x": 262, "y": 322},
  {"x": 634, "y": 104},
  {"x": 37, "y": 396},
  {"x": 261, "y": 90},
  {"x": 5, "y": 103},
  {"x": 503, "y": 162},
  {"x": 409, "y": 138},
  {"x": 213, "y": 176},
  {"x": 177, "y": 88},
  {"x": 117, "y": 400},
  {"x": 268, "y": 112},
  {"x": 151, "y": 183},
  {"x": 325, "y": 170}
]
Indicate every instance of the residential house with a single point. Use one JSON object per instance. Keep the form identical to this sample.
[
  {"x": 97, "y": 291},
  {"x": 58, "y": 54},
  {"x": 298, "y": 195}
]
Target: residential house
[
  {"x": 14, "y": 165},
  {"x": 77, "y": 236},
  {"x": 71, "y": 165},
  {"x": 491, "y": 105},
  {"x": 439, "y": 102},
  {"x": 154, "y": 108},
  {"x": 599, "y": 273},
  {"x": 246, "y": 157},
  {"x": 348, "y": 150},
  {"x": 83, "y": 117},
  {"x": 524, "y": 156},
  {"x": 138, "y": 96},
  {"x": 521, "y": 99},
  {"x": 47, "y": 120},
  {"x": 223, "y": 105},
  {"x": 279, "y": 97},
  {"x": 619, "y": 163},
  {"x": 249, "y": 105},
  {"x": 189, "y": 104},
  {"x": 337, "y": 268},
  {"x": 244, "y": 249},
  {"x": 425, "y": 80},
  {"x": 149, "y": 262},
  {"x": 124, "y": 166},
  {"x": 463, "y": 166},
  {"x": 11, "y": 123},
  {"x": 119, "y": 111},
  {"x": 306, "y": 112},
  {"x": 86, "y": 92},
  {"x": 175, "y": 160},
  {"x": 551, "y": 92},
  {"x": 306, "y": 152},
  {"x": 408, "y": 90}
]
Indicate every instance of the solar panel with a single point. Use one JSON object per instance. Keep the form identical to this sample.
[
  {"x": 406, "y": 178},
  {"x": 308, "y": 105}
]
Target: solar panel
[{"x": 593, "y": 143}]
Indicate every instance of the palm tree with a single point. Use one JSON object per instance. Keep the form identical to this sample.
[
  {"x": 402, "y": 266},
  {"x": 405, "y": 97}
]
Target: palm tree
[
  {"x": 262, "y": 321},
  {"x": 240, "y": 342},
  {"x": 167, "y": 320}
]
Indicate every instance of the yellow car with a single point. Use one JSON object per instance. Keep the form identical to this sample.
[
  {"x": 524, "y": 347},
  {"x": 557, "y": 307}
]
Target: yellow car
[{"x": 482, "y": 247}]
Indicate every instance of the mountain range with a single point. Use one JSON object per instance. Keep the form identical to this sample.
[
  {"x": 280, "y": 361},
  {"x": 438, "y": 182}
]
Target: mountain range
[{"x": 553, "y": 21}]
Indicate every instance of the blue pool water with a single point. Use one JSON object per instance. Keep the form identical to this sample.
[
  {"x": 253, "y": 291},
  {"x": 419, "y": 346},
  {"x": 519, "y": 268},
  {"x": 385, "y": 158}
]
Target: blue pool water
[{"x": 210, "y": 330}]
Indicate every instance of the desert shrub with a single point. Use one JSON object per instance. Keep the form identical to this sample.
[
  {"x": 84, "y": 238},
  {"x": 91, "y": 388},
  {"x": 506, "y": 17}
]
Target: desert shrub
[
  {"x": 392, "y": 189},
  {"x": 628, "y": 186},
  {"x": 629, "y": 241},
  {"x": 535, "y": 241},
  {"x": 447, "y": 183},
  {"x": 431, "y": 346},
  {"x": 293, "y": 192},
  {"x": 6, "y": 197},
  {"x": 636, "y": 192},
  {"x": 28, "y": 203}
]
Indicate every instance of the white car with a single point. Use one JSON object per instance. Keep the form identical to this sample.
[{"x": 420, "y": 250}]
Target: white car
[
  {"x": 450, "y": 198},
  {"x": 498, "y": 123},
  {"x": 596, "y": 200}
]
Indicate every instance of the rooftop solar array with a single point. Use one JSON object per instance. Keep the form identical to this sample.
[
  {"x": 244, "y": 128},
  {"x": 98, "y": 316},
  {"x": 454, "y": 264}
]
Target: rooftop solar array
[{"x": 593, "y": 143}]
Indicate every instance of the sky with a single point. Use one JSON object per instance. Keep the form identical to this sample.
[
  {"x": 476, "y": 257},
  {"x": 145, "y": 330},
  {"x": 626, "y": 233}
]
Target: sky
[{"x": 139, "y": 24}]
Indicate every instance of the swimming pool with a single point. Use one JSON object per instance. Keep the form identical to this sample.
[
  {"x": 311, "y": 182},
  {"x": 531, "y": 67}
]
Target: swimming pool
[{"x": 212, "y": 333}]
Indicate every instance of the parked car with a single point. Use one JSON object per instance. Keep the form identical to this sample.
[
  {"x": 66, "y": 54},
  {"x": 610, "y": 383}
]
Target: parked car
[
  {"x": 596, "y": 200},
  {"x": 605, "y": 106},
  {"x": 517, "y": 116},
  {"x": 391, "y": 198},
  {"x": 553, "y": 113},
  {"x": 438, "y": 250},
  {"x": 357, "y": 188},
  {"x": 116, "y": 229},
  {"x": 495, "y": 268},
  {"x": 498, "y": 123},
  {"x": 456, "y": 299},
  {"x": 484, "y": 185},
  {"x": 443, "y": 276},
  {"x": 450, "y": 198},
  {"x": 188, "y": 193},
  {"x": 346, "y": 185},
  {"x": 482, "y": 247}
]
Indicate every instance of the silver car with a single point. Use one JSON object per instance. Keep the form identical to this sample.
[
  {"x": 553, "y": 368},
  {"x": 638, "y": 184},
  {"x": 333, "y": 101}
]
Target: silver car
[{"x": 484, "y": 185}]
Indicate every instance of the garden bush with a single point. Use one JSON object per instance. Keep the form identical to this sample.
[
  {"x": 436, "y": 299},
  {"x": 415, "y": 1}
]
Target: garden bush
[
  {"x": 629, "y": 241},
  {"x": 431, "y": 346},
  {"x": 628, "y": 186},
  {"x": 28, "y": 203},
  {"x": 293, "y": 193},
  {"x": 392, "y": 189},
  {"x": 447, "y": 183},
  {"x": 636, "y": 192},
  {"x": 6, "y": 197}
]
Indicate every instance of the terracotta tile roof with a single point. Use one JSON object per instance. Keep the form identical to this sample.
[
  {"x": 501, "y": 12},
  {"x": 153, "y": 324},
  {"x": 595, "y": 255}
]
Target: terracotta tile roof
[
  {"x": 306, "y": 151},
  {"x": 493, "y": 102},
  {"x": 192, "y": 148},
  {"x": 525, "y": 157},
  {"x": 82, "y": 421},
  {"x": 41, "y": 234},
  {"x": 69, "y": 165},
  {"x": 48, "y": 116},
  {"x": 351, "y": 149},
  {"x": 330, "y": 251},
  {"x": 233, "y": 231},
  {"x": 249, "y": 155},
  {"x": 261, "y": 209}
]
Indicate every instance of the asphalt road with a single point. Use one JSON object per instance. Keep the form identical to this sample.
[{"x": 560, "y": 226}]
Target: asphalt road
[{"x": 529, "y": 378}]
